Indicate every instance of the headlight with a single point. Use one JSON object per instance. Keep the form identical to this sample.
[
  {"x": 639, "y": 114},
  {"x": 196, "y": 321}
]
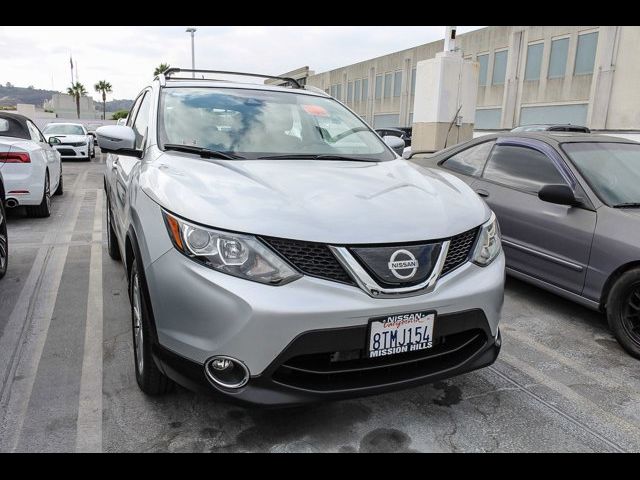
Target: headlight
[
  {"x": 240, "y": 255},
  {"x": 488, "y": 245}
]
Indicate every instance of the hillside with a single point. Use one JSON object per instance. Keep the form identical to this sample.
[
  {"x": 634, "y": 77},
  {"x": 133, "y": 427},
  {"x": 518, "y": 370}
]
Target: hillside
[{"x": 10, "y": 96}]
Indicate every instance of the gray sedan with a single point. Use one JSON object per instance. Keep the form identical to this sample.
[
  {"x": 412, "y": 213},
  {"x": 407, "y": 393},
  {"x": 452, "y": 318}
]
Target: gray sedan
[{"x": 569, "y": 210}]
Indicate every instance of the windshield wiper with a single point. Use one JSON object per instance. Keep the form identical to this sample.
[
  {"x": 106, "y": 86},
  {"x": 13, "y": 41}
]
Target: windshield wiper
[
  {"x": 203, "y": 152},
  {"x": 307, "y": 156},
  {"x": 627, "y": 205}
]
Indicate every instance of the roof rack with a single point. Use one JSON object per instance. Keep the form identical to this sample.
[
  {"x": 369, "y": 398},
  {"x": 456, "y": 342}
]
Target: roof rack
[{"x": 169, "y": 74}]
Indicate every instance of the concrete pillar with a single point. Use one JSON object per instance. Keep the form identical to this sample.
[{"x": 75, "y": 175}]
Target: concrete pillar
[
  {"x": 603, "y": 70},
  {"x": 444, "y": 84}
]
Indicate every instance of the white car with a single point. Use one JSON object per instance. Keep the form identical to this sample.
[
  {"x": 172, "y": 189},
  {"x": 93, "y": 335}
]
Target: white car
[
  {"x": 75, "y": 140},
  {"x": 31, "y": 168}
]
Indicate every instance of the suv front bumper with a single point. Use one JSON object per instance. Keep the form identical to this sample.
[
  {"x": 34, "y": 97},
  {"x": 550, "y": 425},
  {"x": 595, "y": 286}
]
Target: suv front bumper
[{"x": 274, "y": 331}]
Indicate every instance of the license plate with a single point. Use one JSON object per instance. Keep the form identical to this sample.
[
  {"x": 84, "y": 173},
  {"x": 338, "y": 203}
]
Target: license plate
[{"x": 400, "y": 333}]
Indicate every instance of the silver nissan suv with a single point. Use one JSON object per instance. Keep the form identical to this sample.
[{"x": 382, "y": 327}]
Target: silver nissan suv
[{"x": 279, "y": 252}]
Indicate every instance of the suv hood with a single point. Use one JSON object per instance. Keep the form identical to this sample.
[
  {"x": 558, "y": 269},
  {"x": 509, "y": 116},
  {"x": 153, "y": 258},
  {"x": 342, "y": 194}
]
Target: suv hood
[{"x": 336, "y": 202}]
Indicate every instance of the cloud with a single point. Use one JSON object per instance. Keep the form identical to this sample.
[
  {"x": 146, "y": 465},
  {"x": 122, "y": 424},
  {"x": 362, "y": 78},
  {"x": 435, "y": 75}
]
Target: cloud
[{"x": 127, "y": 56}]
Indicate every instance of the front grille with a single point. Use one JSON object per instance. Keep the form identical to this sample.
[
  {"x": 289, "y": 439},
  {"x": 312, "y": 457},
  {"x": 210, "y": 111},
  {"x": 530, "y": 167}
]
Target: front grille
[
  {"x": 67, "y": 152},
  {"x": 318, "y": 372},
  {"x": 75, "y": 144},
  {"x": 459, "y": 250},
  {"x": 314, "y": 259}
]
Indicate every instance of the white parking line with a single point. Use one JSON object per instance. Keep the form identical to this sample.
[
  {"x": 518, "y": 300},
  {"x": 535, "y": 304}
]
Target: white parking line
[
  {"x": 23, "y": 339},
  {"x": 89, "y": 429}
]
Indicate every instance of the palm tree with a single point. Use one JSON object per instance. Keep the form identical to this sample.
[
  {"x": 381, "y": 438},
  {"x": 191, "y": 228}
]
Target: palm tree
[
  {"x": 77, "y": 90},
  {"x": 163, "y": 67},
  {"x": 103, "y": 87}
]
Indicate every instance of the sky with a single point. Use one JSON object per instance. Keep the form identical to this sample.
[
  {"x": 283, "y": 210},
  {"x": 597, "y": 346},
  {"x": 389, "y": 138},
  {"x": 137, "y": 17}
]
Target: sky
[{"x": 127, "y": 56}]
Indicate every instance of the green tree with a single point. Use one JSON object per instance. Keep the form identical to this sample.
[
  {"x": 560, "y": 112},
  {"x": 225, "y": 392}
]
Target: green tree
[
  {"x": 103, "y": 87},
  {"x": 163, "y": 67},
  {"x": 77, "y": 90},
  {"x": 119, "y": 114}
]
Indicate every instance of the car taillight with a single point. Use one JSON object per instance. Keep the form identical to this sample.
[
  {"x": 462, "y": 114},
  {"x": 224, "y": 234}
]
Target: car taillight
[{"x": 15, "y": 157}]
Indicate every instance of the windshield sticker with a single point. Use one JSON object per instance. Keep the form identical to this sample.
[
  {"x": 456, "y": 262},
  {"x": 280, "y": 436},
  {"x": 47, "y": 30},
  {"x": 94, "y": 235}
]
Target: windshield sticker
[{"x": 315, "y": 110}]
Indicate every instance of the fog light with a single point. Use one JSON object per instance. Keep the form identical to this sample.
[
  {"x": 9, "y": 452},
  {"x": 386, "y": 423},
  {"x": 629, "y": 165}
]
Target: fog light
[{"x": 226, "y": 372}]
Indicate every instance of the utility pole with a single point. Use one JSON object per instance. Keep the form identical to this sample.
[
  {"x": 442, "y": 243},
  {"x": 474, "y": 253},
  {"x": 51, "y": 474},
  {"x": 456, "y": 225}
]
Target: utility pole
[{"x": 192, "y": 31}]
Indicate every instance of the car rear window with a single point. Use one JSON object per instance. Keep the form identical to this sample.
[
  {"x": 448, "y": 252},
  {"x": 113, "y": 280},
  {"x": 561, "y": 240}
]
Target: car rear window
[{"x": 10, "y": 127}]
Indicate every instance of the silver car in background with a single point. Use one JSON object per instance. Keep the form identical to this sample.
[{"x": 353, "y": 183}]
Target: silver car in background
[
  {"x": 569, "y": 210},
  {"x": 278, "y": 252}
]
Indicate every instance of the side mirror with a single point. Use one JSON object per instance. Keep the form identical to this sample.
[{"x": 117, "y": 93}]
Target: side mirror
[
  {"x": 559, "y": 194},
  {"x": 54, "y": 141},
  {"x": 117, "y": 139},
  {"x": 396, "y": 143}
]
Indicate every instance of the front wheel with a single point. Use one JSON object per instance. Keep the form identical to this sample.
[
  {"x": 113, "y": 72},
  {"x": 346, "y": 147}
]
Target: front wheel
[
  {"x": 44, "y": 209},
  {"x": 623, "y": 311},
  {"x": 4, "y": 242},
  {"x": 149, "y": 377}
]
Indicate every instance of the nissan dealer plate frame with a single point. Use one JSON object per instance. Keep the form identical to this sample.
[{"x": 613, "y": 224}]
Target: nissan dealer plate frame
[{"x": 400, "y": 333}]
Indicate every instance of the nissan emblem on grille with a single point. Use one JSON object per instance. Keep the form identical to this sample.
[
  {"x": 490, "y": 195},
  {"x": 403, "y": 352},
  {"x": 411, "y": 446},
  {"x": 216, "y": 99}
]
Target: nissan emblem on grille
[{"x": 403, "y": 260}]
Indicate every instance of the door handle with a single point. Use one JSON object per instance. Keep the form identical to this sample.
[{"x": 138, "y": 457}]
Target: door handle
[{"x": 482, "y": 192}]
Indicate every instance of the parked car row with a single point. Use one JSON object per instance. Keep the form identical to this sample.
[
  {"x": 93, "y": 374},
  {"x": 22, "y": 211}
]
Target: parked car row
[
  {"x": 31, "y": 167},
  {"x": 569, "y": 211}
]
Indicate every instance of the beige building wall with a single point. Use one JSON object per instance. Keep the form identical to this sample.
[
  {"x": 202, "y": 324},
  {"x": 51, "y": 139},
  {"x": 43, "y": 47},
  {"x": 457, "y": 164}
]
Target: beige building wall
[{"x": 607, "y": 98}]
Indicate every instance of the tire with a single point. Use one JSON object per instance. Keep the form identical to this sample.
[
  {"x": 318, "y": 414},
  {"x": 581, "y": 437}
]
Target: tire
[
  {"x": 149, "y": 377},
  {"x": 4, "y": 241},
  {"x": 112, "y": 241},
  {"x": 44, "y": 209},
  {"x": 60, "y": 190},
  {"x": 623, "y": 311}
]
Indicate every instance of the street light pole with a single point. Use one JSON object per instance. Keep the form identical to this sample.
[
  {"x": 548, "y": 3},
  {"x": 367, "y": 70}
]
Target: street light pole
[{"x": 193, "y": 54}]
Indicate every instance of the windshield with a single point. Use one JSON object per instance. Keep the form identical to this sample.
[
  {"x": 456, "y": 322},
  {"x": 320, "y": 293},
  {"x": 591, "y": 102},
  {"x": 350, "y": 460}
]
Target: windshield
[
  {"x": 612, "y": 169},
  {"x": 64, "y": 129},
  {"x": 258, "y": 123}
]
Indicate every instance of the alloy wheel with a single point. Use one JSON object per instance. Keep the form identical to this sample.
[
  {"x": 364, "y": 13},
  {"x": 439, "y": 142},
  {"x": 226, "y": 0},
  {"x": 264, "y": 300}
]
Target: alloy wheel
[
  {"x": 138, "y": 333},
  {"x": 631, "y": 314}
]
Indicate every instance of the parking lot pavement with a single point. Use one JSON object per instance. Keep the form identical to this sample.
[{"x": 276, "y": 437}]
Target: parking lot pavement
[{"x": 67, "y": 383}]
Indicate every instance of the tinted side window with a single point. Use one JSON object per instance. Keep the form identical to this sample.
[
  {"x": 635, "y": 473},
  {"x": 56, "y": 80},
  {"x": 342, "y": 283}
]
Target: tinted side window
[
  {"x": 133, "y": 111},
  {"x": 521, "y": 167},
  {"x": 142, "y": 121},
  {"x": 470, "y": 161}
]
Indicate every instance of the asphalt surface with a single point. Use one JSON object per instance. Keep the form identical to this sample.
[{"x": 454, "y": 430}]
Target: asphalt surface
[{"x": 67, "y": 382}]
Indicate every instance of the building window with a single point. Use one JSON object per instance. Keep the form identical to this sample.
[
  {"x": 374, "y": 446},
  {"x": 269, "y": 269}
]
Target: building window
[
  {"x": 386, "y": 120},
  {"x": 350, "y": 92},
  {"x": 413, "y": 81},
  {"x": 378, "y": 87},
  {"x": 356, "y": 90},
  {"x": 387, "y": 85},
  {"x": 339, "y": 91},
  {"x": 488, "y": 118},
  {"x": 534, "y": 61},
  {"x": 333, "y": 90},
  {"x": 558, "y": 57},
  {"x": 365, "y": 89},
  {"x": 483, "y": 60},
  {"x": 586, "y": 53},
  {"x": 575, "y": 114},
  {"x": 499, "y": 68},
  {"x": 327, "y": 91},
  {"x": 397, "y": 83},
  {"x": 410, "y": 119}
]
